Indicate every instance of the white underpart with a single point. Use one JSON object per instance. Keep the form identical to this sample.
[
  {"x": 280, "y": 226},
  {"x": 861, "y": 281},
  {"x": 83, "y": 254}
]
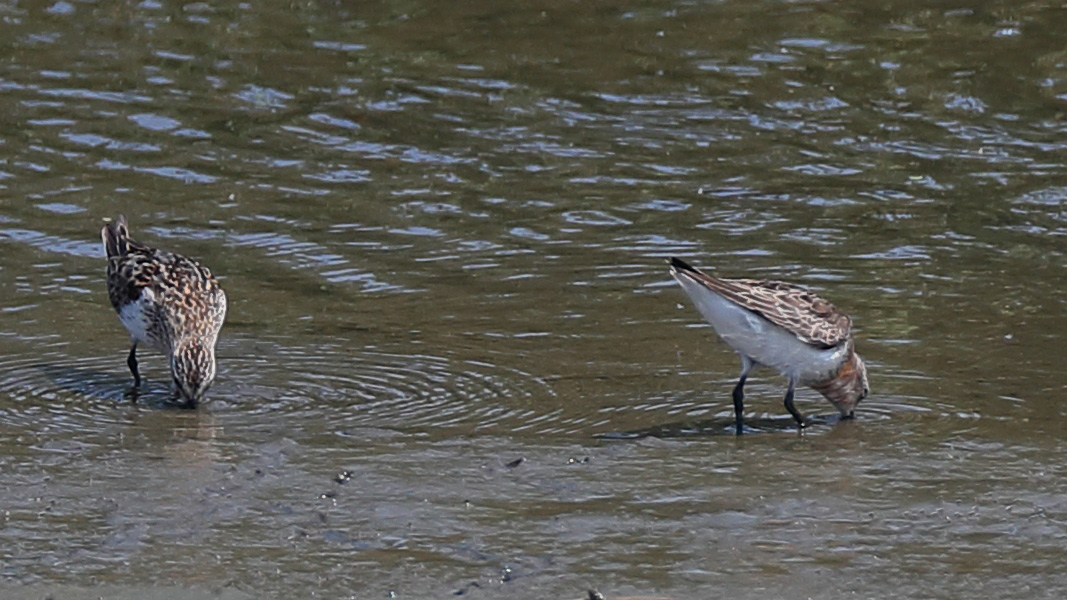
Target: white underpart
[
  {"x": 134, "y": 316},
  {"x": 762, "y": 341}
]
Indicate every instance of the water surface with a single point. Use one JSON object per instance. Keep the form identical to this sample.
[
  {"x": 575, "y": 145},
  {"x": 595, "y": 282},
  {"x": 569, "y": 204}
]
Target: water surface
[{"x": 454, "y": 362}]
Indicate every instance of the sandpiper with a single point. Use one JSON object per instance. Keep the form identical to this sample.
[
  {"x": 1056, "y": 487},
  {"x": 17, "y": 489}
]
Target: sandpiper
[
  {"x": 169, "y": 302},
  {"x": 784, "y": 327}
]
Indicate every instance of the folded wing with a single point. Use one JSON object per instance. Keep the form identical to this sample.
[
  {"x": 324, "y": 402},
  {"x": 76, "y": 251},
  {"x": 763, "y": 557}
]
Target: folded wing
[{"x": 807, "y": 316}]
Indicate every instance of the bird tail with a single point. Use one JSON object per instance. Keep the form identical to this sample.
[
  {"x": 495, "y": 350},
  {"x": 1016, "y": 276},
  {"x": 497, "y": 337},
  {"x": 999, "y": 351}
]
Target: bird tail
[
  {"x": 680, "y": 266},
  {"x": 116, "y": 237}
]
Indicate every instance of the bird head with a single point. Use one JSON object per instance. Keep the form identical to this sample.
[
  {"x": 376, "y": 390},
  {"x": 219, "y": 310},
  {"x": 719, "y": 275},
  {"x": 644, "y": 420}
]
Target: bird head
[
  {"x": 193, "y": 368},
  {"x": 847, "y": 387}
]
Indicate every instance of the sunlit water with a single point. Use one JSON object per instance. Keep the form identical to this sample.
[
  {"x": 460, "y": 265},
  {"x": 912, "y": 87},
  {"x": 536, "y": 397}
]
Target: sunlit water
[{"x": 454, "y": 362}]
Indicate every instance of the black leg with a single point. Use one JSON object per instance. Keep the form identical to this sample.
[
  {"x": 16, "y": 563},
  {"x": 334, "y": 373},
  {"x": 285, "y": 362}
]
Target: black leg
[
  {"x": 739, "y": 403},
  {"x": 133, "y": 394},
  {"x": 132, "y": 362},
  {"x": 739, "y": 393},
  {"x": 792, "y": 409}
]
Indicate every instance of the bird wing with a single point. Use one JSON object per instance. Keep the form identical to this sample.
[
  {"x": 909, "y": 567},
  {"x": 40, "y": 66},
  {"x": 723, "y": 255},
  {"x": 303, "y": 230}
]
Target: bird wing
[{"x": 812, "y": 319}]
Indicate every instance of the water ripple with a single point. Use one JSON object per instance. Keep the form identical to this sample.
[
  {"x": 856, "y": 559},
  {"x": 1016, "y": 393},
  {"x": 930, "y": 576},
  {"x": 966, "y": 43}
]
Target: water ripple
[
  {"x": 53, "y": 391},
  {"x": 52, "y": 243},
  {"x": 368, "y": 387},
  {"x": 263, "y": 381}
]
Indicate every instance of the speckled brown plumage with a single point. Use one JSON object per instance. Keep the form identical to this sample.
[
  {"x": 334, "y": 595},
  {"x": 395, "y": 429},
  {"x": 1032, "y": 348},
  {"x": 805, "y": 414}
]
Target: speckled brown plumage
[
  {"x": 169, "y": 302},
  {"x": 789, "y": 306},
  {"x": 803, "y": 336}
]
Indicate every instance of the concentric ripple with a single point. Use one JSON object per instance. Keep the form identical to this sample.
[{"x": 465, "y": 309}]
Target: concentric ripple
[
  {"x": 54, "y": 390},
  {"x": 336, "y": 383},
  {"x": 351, "y": 386}
]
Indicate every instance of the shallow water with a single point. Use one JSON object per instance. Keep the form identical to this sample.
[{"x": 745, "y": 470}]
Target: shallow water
[{"x": 454, "y": 362}]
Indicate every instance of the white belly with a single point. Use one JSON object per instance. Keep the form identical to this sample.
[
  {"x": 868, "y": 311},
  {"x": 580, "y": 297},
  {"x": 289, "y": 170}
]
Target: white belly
[
  {"x": 764, "y": 342},
  {"x": 135, "y": 316}
]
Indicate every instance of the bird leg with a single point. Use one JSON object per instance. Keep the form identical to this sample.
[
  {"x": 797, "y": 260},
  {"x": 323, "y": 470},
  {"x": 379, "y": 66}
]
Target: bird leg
[
  {"x": 739, "y": 394},
  {"x": 801, "y": 421},
  {"x": 132, "y": 395},
  {"x": 132, "y": 362},
  {"x": 739, "y": 403}
]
